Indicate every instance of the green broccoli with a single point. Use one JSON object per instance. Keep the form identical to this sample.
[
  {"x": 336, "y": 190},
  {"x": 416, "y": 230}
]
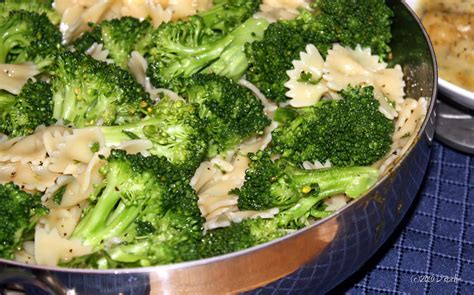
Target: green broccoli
[
  {"x": 305, "y": 189},
  {"x": 280, "y": 184},
  {"x": 173, "y": 127},
  {"x": 119, "y": 37},
  {"x": 37, "y": 6},
  {"x": 225, "y": 15},
  {"x": 25, "y": 36},
  {"x": 347, "y": 132},
  {"x": 186, "y": 48},
  {"x": 20, "y": 115},
  {"x": 145, "y": 213},
  {"x": 87, "y": 92},
  {"x": 18, "y": 215},
  {"x": 349, "y": 22},
  {"x": 230, "y": 112}
]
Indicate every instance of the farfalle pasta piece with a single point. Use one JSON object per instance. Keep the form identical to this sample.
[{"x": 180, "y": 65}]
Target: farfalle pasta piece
[
  {"x": 274, "y": 10},
  {"x": 14, "y": 76},
  {"x": 97, "y": 52},
  {"x": 306, "y": 85},
  {"x": 75, "y": 149},
  {"x": 214, "y": 179},
  {"x": 51, "y": 247},
  {"x": 411, "y": 116},
  {"x": 27, "y": 176},
  {"x": 229, "y": 217},
  {"x": 346, "y": 66},
  {"x": 184, "y": 8},
  {"x": 412, "y": 113},
  {"x": 64, "y": 220},
  {"x": 28, "y": 149}
]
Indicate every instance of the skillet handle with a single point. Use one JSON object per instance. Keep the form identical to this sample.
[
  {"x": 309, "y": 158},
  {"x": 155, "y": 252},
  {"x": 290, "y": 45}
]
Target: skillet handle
[{"x": 17, "y": 279}]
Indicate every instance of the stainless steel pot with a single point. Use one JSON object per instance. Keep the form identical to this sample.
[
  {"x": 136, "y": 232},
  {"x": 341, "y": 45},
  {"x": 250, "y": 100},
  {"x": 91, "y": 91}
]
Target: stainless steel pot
[{"x": 330, "y": 249}]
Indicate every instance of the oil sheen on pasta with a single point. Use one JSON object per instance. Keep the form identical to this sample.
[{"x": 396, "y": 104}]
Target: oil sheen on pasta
[{"x": 450, "y": 25}]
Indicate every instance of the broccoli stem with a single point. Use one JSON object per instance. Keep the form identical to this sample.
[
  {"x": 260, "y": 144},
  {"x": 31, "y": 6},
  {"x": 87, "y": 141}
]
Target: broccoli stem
[
  {"x": 129, "y": 253},
  {"x": 353, "y": 181},
  {"x": 115, "y": 228},
  {"x": 233, "y": 62},
  {"x": 299, "y": 209},
  {"x": 107, "y": 219}
]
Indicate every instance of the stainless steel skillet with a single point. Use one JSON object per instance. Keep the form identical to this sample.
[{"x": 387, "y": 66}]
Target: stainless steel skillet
[{"x": 330, "y": 249}]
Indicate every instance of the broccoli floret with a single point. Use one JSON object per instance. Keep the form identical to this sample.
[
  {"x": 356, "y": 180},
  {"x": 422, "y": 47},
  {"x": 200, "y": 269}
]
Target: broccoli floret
[
  {"x": 280, "y": 184},
  {"x": 19, "y": 213},
  {"x": 295, "y": 192},
  {"x": 173, "y": 127},
  {"x": 347, "y": 22},
  {"x": 347, "y": 132},
  {"x": 225, "y": 15},
  {"x": 367, "y": 23},
  {"x": 119, "y": 37},
  {"x": 87, "y": 92},
  {"x": 37, "y": 6},
  {"x": 20, "y": 115},
  {"x": 230, "y": 112},
  {"x": 270, "y": 58},
  {"x": 25, "y": 36},
  {"x": 145, "y": 214},
  {"x": 186, "y": 48}
]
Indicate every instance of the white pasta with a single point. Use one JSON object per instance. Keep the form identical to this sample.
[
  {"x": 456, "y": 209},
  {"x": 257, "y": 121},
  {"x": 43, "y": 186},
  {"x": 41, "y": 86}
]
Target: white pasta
[
  {"x": 346, "y": 66},
  {"x": 213, "y": 185},
  {"x": 183, "y": 8},
  {"x": 137, "y": 66},
  {"x": 136, "y": 146},
  {"x": 51, "y": 247},
  {"x": 63, "y": 220},
  {"x": 306, "y": 93},
  {"x": 76, "y": 14},
  {"x": 273, "y": 10},
  {"x": 97, "y": 52},
  {"x": 27, "y": 254},
  {"x": 227, "y": 218},
  {"x": 74, "y": 149},
  {"x": 411, "y": 116},
  {"x": 156, "y": 12},
  {"x": 27, "y": 176},
  {"x": 316, "y": 165},
  {"x": 335, "y": 203},
  {"x": 143, "y": 10},
  {"x": 14, "y": 76},
  {"x": 215, "y": 178},
  {"x": 28, "y": 149}
]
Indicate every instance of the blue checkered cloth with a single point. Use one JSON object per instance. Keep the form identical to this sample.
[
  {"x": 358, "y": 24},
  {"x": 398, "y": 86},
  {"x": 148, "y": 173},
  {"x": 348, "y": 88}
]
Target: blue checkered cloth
[{"x": 432, "y": 251}]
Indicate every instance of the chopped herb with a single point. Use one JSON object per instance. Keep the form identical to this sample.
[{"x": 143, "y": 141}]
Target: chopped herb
[
  {"x": 406, "y": 135},
  {"x": 58, "y": 196},
  {"x": 131, "y": 134},
  {"x": 307, "y": 78},
  {"x": 95, "y": 147}
]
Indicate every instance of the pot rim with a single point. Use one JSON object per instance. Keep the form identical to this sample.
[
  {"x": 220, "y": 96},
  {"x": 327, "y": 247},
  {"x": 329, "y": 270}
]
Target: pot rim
[{"x": 191, "y": 264}]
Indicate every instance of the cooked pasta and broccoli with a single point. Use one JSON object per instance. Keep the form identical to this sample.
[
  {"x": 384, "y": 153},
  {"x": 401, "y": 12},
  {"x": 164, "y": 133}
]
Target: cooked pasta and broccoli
[{"x": 149, "y": 133}]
